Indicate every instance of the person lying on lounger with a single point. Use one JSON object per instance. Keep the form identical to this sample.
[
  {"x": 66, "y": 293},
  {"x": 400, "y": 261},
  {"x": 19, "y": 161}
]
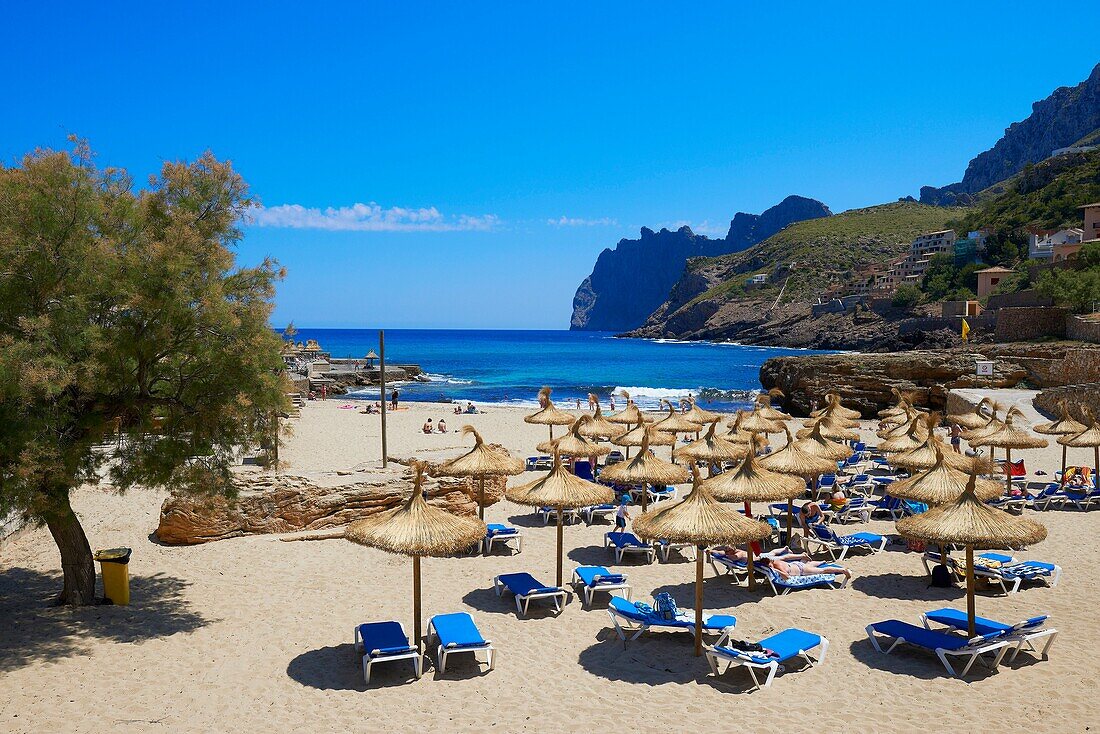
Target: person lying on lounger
[
  {"x": 790, "y": 569},
  {"x": 784, "y": 554}
]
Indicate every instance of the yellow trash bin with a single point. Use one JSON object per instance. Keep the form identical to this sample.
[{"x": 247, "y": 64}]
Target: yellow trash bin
[{"x": 114, "y": 564}]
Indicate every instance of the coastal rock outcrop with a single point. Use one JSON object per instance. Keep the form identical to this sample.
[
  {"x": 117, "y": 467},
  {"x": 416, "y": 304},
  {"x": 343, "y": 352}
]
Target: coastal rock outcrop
[
  {"x": 281, "y": 504},
  {"x": 1069, "y": 116},
  {"x": 630, "y": 281},
  {"x": 864, "y": 381}
]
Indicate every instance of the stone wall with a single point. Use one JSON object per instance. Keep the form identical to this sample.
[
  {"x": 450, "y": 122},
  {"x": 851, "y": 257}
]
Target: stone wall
[
  {"x": 1019, "y": 299},
  {"x": 1076, "y": 397},
  {"x": 1029, "y": 323},
  {"x": 1083, "y": 328}
]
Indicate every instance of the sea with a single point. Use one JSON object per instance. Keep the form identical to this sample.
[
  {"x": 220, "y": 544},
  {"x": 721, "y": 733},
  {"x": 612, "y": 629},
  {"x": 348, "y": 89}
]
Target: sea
[{"x": 509, "y": 367}]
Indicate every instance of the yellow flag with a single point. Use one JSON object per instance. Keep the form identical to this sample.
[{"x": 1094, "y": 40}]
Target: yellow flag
[{"x": 965, "y": 330}]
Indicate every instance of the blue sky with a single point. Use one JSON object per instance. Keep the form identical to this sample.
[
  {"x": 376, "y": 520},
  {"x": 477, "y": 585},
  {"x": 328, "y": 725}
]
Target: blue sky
[{"x": 462, "y": 165}]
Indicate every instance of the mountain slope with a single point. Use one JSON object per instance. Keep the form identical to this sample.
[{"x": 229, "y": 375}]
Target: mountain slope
[
  {"x": 711, "y": 300},
  {"x": 1067, "y": 116},
  {"x": 627, "y": 283}
]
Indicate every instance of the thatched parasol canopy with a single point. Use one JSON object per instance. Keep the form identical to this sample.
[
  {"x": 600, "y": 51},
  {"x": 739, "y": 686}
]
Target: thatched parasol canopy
[
  {"x": 480, "y": 462},
  {"x": 915, "y": 433},
  {"x": 574, "y": 443},
  {"x": 899, "y": 408},
  {"x": 751, "y": 481},
  {"x": 701, "y": 520},
  {"x": 549, "y": 415},
  {"x": 834, "y": 429},
  {"x": 712, "y": 449},
  {"x": 1064, "y": 426},
  {"x": 924, "y": 457},
  {"x": 769, "y": 412},
  {"x": 816, "y": 443},
  {"x": 1009, "y": 436},
  {"x": 645, "y": 468},
  {"x": 561, "y": 490},
  {"x": 417, "y": 529},
  {"x": 834, "y": 408},
  {"x": 637, "y": 436},
  {"x": 941, "y": 484},
  {"x": 991, "y": 426},
  {"x": 630, "y": 415},
  {"x": 969, "y": 521},
  {"x": 700, "y": 415},
  {"x": 736, "y": 434},
  {"x": 755, "y": 422},
  {"x": 676, "y": 423},
  {"x": 973, "y": 418},
  {"x": 600, "y": 427},
  {"x": 794, "y": 459}
]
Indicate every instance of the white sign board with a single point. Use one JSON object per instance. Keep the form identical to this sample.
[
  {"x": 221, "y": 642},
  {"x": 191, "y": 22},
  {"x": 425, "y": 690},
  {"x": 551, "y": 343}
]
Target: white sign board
[{"x": 983, "y": 368}]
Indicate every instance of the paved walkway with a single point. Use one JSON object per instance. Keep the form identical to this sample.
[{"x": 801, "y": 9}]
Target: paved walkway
[{"x": 1021, "y": 399}]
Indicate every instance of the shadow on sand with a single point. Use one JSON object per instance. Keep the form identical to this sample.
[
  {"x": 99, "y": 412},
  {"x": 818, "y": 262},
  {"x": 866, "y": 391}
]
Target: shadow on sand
[
  {"x": 906, "y": 587},
  {"x": 34, "y": 631}
]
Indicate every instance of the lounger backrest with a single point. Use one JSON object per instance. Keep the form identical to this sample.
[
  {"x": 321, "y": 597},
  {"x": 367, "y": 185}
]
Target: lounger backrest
[
  {"x": 456, "y": 629},
  {"x": 383, "y": 636},
  {"x": 824, "y": 533}
]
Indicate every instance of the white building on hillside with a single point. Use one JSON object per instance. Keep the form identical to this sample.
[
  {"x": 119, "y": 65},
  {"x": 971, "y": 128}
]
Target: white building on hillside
[{"x": 1040, "y": 245}]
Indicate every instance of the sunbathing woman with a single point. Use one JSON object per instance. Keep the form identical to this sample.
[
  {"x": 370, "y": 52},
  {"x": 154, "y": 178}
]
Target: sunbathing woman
[{"x": 790, "y": 569}]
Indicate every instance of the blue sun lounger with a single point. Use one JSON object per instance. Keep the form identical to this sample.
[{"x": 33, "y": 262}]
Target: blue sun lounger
[
  {"x": 383, "y": 642},
  {"x": 591, "y": 512},
  {"x": 940, "y": 643},
  {"x": 839, "y": 545},
  {"x": 788, "y": 644},
  {"x": 1021, "y": 633},
  {"x": 599, "y": 578},
  {"x": 499, "y": 533},
  {"x": 527, "y": 588},
  {"x": 622, "y": 543},
  {"x": 1009, "y": 575},
  {"x": 458, "y": 633},
  {"x": 626, "y": 616}
]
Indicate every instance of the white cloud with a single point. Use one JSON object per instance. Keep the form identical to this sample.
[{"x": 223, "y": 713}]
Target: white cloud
[
  {"x": 369, "y": 218},
  {"x": 564, "y": 221}
]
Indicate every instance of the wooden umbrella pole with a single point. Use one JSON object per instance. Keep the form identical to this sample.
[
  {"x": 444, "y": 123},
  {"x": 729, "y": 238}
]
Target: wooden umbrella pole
[
  {"x": 559, "y": 545},
  {"x": 645, "y": 495},
  {"x": 481, "y": 498},
  {"x": 1064, "y": 447},
  {"x": 551, "y": 431},
  {"x": 749, "y": 566},
  {"x": 790, "y": 520},
  {"x": 817, "y": 486},
  {"x": 1008, "y": 473},
  {"x": 416, "y": 601},
  {"x": 970, "y": 591},
  {"x": 699, "y": 600}
]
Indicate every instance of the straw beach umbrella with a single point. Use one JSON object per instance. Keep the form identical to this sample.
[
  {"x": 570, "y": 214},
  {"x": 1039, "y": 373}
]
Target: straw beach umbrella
[
  {"x": 712, "y": 449},
  {"x": 637, "y": 436},
  {"x": 769, "y": 412},
  {"x": 1089, "y": 438},
  {"x": 701, "y": 520},
  {"x": 630, "y": 415},
  {"x": 755, "y": 422},
  {"x": 700, "y": 416},
  {"x": 898, "y": 409},
  {"x": 751, "y": 482},
  {"x": 481, "y": 462},
  {"x": 561, "y": 490},
  {"x": 816, "y": 443},
  {"x": 793, "y": 459},
  {"x": 971, "y": 419},
  {"x": 736, "y": 434},
  {"x": 990, "y": 427},
  {"x": 417, "y": 529},
  {"x": 645, "y": 468},
  {"x": 676, "y": 423},
  {"x": 600, "y": 427},
  {"x": 1064, "y": 426},
  {"x": 970, "y": 522},
  {"x": 835, "y": 409},
  {"x": 941, "y": 484},
  {"x": 925, "y": 457},
  {"x": 548, "y": 415},
  {"x": 1010, "y": 437},
  {"x": 833, "y": 429},
  {"x": 915, "y": 433},
  {"x": 574, "y": 444}
]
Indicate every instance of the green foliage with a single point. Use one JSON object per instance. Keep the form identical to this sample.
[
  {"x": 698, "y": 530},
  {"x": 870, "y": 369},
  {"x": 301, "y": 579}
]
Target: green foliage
[
  {"x": 906, "y": 296},
  {"x": 126, "y": 309},
  {"x": 1077, "y": 290},
  {"x": 945, "y": 282}
]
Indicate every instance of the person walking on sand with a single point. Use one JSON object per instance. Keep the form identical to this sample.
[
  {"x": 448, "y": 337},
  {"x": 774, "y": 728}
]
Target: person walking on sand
[
  {"x": 393, "y": 399},
  {"x": 324, "y": 392},
  {"x": 956, "y": 438},
  {"x": 621, "y": 516}
]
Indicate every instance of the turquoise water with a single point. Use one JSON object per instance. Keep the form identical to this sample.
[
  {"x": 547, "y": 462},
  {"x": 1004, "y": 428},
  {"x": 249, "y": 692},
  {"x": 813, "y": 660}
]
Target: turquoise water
[{"x": 510, "y": 366}]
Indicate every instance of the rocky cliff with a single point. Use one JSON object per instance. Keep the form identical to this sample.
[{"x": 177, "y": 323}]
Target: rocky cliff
[
  {"x": 715, "y": 300},
  {"x": 864, "y": 381},
  {"x": 1064, "y": 118},
  {"x": 630, "y": 281}
]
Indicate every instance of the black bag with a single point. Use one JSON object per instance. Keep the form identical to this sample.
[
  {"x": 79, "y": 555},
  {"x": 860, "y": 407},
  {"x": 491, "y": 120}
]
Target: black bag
[{"x": 942, "y": 576}]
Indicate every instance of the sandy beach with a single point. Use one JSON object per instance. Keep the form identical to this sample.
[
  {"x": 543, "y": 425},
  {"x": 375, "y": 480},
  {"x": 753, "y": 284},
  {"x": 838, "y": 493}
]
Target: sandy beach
[{"x": 254, "y": 634}]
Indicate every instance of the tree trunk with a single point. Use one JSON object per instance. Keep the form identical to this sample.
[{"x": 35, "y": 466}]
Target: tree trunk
[{"x": 76, "y": 555}]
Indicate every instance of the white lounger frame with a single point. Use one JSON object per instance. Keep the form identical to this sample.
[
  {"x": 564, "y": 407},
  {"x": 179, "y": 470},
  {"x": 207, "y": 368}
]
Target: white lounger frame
[
  {"x": 522, "y": 602},
  {"x": 973, "y": 651},
  {"x": 647, "y": 550},
  {"x": 1021, "y": 637},
  {"x": 610, "y": 588},
  {"x": 773, "y": 667},
  {"x": 491, "y": 540},
  {"x": 833, "y": 548},
  {"x": 624, "y": 624},
  {"x": 368, "y": 661},
  {"x": 443, "y": 651}
]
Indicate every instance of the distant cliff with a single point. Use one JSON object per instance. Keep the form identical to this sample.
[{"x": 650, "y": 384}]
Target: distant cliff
[
  {"x": 1068, "y": 116},
  {"x": 628, "y": 283}
]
